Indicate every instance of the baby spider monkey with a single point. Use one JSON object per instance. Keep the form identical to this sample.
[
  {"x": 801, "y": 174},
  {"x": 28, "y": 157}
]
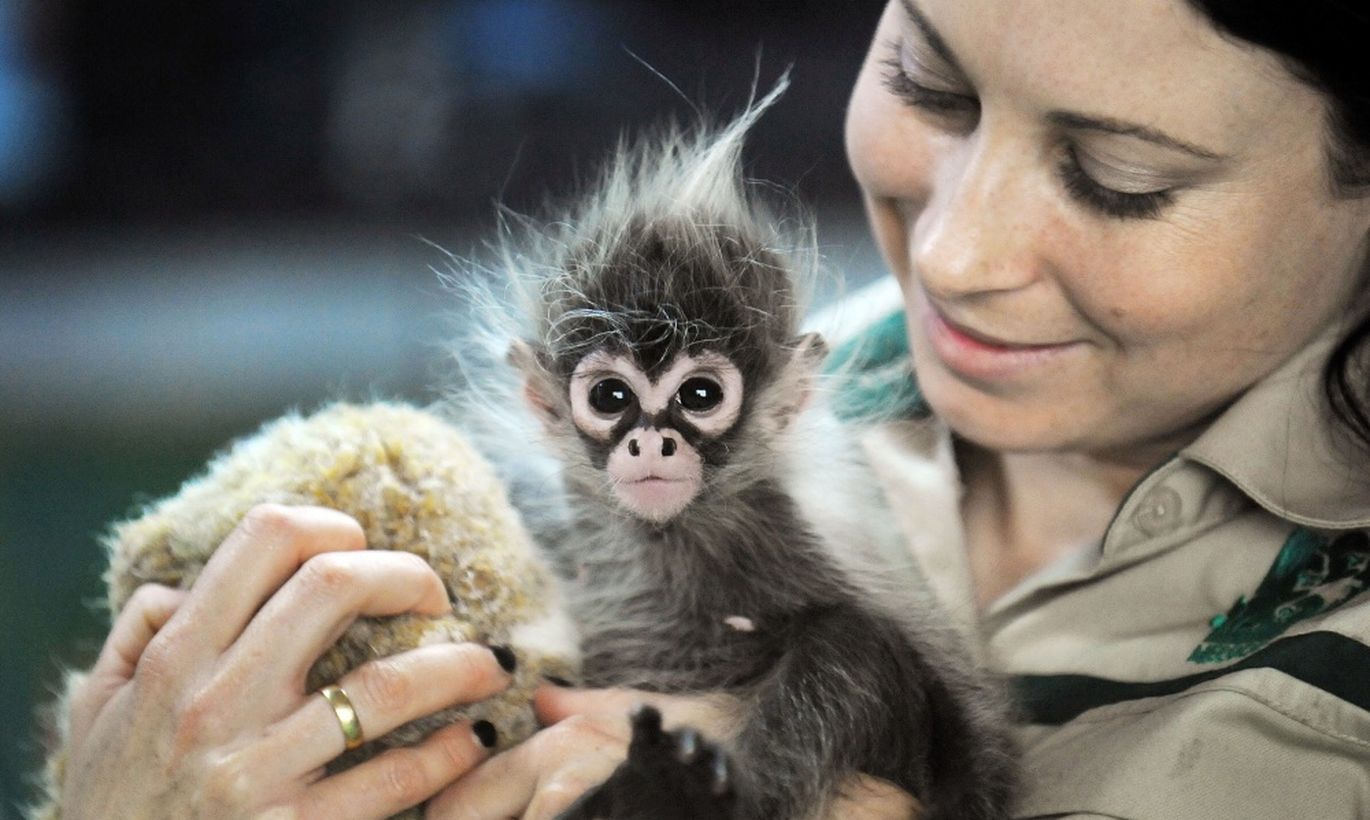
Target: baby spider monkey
[{"x": 719, "y": 531}]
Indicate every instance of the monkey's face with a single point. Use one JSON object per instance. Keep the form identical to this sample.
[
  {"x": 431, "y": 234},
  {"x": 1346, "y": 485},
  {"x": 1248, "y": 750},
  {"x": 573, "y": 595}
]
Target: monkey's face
[{"x": 652, "y": 433}]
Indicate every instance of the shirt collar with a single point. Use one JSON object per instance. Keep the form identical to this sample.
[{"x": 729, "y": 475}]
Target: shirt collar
[{"x": 1280, "y": 444}]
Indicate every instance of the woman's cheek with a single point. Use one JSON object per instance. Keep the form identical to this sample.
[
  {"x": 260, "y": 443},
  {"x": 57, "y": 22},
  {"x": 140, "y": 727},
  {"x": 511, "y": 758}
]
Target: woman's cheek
[
  {"x": 889, "y": 143},
  {"x": 890, "y": 149},
  {"x": 892, "y": 159},
  {"x": 1129, "y": 283},
  {"x": 888, "y": 230}
]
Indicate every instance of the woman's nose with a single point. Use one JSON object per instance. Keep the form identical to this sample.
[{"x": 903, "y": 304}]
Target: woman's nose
[{"x": 977, "y": 232}]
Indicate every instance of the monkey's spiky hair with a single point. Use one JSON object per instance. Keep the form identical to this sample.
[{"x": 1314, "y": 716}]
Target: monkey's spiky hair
[
  {"x": 673, "y": 233},
  {"x": 670, "y": 232}
]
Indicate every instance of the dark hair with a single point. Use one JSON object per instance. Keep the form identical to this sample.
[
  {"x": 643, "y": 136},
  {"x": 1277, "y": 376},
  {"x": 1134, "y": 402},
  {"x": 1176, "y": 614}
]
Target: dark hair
[{"x": 1326, "y": 44}]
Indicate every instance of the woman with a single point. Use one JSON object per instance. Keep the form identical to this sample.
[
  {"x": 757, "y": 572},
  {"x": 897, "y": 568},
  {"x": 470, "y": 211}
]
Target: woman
[{"x": 1127, "y": 238}]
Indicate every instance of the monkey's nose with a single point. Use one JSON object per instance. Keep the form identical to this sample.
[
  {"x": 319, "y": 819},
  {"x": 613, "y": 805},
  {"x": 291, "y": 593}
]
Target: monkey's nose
[{"x": 649, "y": 439}]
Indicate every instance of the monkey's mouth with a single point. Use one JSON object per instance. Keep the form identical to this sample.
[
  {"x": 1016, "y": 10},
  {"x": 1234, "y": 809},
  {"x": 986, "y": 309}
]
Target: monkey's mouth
[{"x": 656, "y": 498}]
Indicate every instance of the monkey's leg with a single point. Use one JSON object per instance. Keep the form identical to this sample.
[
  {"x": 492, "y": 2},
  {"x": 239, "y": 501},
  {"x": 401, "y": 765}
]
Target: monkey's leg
[
  {"x": 851, "y": 694},
  {"x": 667, "y": 776}
]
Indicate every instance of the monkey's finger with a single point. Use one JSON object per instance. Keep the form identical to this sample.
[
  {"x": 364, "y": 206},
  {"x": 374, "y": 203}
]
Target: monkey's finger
[
  {"x": 385, "y": 693},
  {"x": 319, "y": 602},
  {"x": 397, "y": 779},
  {"x": 147, "y": 611},
  {"x": 550, "y": 769},
  {"x": 265, "y": 549}
]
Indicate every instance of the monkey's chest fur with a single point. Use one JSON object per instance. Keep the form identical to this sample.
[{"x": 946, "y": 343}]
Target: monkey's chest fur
[{"x": 703, "y": 603}]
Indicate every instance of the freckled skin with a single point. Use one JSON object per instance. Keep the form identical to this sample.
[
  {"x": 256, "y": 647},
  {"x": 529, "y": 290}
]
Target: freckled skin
[{"x": 1174, "y": 315}]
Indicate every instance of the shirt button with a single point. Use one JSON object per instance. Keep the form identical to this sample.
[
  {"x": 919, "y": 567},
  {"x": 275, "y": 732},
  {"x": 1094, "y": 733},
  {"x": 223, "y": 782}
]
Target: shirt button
[{"x": 1159, "y": 512}]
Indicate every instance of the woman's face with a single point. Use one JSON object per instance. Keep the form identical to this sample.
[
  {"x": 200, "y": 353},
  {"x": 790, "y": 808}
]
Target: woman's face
[{"x": 1107, "y": 219}]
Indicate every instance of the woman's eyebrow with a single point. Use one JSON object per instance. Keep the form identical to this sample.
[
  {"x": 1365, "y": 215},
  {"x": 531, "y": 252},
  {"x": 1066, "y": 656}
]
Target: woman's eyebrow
[
  {"x": 930, "y": 35},
  {"x": 1064, "y": 119},
  {"x": 1072, "y": 120}
]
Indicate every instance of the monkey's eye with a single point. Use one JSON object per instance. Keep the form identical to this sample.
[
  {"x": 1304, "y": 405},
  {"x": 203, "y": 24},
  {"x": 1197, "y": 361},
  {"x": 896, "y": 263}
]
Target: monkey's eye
[
  {"x": 699, "y": 395},
  {"x": 611, "y": 396}
]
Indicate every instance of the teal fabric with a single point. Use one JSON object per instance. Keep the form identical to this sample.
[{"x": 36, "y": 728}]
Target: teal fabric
[
  {"x": 872, "y": 375},
  {"x": 1314, "y": 573}
]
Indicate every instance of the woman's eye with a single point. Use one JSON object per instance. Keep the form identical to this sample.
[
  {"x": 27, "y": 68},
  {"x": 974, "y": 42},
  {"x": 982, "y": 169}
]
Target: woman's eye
[
  {"x": 1107, "y": 201},
  {"x": 610, "y": 396},
  {"x": 699, "y": 395},
  {"x": 938, "y": 101}
]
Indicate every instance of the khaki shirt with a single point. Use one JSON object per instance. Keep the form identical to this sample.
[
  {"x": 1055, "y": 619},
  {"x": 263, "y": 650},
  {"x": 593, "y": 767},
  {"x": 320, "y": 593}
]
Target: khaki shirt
[{"x": 1208, "y": 657}]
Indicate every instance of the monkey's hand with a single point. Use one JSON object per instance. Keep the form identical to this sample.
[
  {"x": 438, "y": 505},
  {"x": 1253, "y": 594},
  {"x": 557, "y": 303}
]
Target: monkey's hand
[{"x": 667, "y": 776}]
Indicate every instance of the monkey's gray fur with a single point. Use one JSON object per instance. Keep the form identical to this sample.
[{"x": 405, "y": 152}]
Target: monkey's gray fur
[{"x": 778, "y": 583}]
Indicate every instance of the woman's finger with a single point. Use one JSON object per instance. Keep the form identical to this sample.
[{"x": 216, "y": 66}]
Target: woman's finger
[
  {"x": 507, "y": 784},
  {"x": 313, "y": 608},
  {"x": 557, "y": 792},
  {"x": 715, "y": 715},
  {"x": 397, "y": 779},
  {"x": 147, "y": 611},
  {"x": 553, "y": 704},
  {"x": 385, "y": 693},
  {"x": 864, "y": 797},
  {"x": 265, "y": 549}
]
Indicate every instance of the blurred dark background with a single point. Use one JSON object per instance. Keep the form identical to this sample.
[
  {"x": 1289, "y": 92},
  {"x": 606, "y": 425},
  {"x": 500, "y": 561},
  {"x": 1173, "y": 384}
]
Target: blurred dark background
[{"x": 214, "y": 212}]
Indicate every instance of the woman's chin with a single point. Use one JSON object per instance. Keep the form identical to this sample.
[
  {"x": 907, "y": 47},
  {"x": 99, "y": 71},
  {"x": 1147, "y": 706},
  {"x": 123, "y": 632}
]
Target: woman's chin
[{"x": 999, "y": 423}]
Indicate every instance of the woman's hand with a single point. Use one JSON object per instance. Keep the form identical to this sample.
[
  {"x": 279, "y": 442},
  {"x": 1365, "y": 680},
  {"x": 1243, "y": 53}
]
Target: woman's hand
[
  {"x": 196, "y": 706},
  {"x": 586, "y": 738},
  {"x": 870, "y": 798}
]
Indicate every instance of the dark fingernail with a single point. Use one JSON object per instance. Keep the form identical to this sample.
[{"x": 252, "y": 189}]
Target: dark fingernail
[
  {"x": 556, "y": 681},
  {"x": 506, "y": 658},
  {"x": 485, "y": 733}
]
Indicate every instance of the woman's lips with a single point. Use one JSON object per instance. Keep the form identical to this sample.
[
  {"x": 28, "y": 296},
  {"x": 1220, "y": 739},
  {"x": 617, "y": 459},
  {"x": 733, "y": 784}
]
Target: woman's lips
[{"x": 980, "y": 356}]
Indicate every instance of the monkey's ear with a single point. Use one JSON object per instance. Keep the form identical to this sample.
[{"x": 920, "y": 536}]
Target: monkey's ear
[
  {"x": 798, "y": 376},
  {"x": 540, "y": 386},
  {"x": 810, "y": 349}
]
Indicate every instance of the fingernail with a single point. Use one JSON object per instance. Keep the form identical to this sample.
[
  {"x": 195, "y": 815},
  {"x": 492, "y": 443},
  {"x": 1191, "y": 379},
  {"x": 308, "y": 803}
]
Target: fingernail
[
  {"x": 485, "y": 733},
  {"x": 556, "y": 681},
  {"x": 506, "y": 658}
]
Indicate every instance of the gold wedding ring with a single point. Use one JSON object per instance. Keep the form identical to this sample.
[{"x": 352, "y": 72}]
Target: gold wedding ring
[{"x": 347, "y": 716}]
